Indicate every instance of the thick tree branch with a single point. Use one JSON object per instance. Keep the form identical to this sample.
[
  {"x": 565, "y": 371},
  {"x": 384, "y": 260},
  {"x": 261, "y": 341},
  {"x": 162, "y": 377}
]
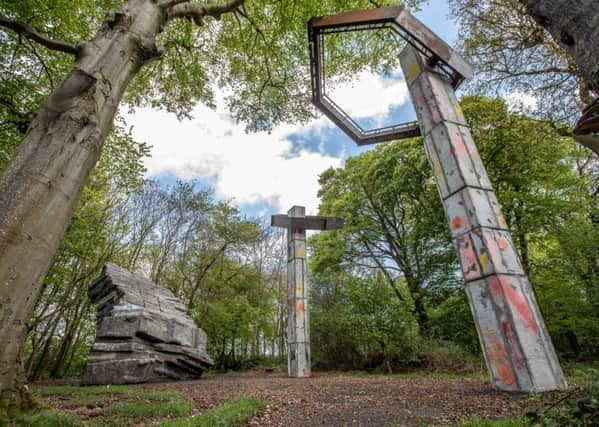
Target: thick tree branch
[
  {"x": 165, "y": 4},
  {"x": 198, "y": 11},
  {"x": 31, "y": 33}
]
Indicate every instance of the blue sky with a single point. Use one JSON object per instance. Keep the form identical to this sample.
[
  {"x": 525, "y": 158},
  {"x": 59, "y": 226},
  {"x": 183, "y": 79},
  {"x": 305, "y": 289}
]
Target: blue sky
[{"x": 268, "y": 173}]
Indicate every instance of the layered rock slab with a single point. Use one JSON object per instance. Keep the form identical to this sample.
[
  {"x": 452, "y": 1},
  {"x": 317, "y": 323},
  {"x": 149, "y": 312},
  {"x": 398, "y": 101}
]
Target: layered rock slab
[{"x": 144, "y": 333}]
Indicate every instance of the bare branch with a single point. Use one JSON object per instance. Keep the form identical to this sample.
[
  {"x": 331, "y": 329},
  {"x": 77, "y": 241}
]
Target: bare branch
[
  {"x": 43, "y": 63},
  {"x": 197, "y": 11},
  {"x": 31, "y": 33}
]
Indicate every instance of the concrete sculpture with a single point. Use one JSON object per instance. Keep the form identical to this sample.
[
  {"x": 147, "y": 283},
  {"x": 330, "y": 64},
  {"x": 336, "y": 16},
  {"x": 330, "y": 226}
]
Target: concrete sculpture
[
  {"x": 517, "y": 348},
  {"x": 143, "y": 334},
  {"x": 298, "y": 321}
]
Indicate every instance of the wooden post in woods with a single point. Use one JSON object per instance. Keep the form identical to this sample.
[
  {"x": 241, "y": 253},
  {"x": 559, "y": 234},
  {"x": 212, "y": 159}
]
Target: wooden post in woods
[
  {"x": 298, "y": 316},
  {"x": 514, "y": 339}
]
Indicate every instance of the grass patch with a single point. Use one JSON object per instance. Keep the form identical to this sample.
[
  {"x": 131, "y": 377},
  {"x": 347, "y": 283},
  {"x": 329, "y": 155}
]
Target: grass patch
[
  {"x": 87, "y": 399},
  {"x": 505, "y": 422},
  {"x": 83, "y": 393},
  {"x": 57, "y": 390},
  {"x": 134, "y": 403},
  {"x": 233, "y": 413},
  {"x": 112, "y": 422},
  {"x": 154, "y": 395},
  {"x": 45, "y": 418},
  {"x": 151, "y": 409}
]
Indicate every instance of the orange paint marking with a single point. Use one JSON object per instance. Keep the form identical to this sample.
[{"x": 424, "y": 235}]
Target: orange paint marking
[
  {"x": 499, "y": 359},
  {"x": 299, "y": 309},
  {"x": 457, "y": 223},
  {"x": 503, "y": 245},
  {"x": 459, "y": 146}
]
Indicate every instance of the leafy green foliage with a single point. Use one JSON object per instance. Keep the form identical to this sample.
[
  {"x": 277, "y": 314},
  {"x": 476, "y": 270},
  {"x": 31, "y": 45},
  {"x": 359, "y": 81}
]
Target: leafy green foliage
[
  {"x": 258, "y": 55},
  {"x": 578, "y": 407},
  {"x": 263, "y": 52},
  {"x": 28, "y": 71},
  {"x": 359, "y": 323},
  {"x": 481, "y": 422},
  {"x": 451, "y": 320},
  {"x": 394, "y": 224}
]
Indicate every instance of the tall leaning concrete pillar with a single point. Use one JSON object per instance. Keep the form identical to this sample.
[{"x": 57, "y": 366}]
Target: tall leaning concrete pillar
[
  {"x": 517, "y": 348},
  {"x": 298, "y": 320}
]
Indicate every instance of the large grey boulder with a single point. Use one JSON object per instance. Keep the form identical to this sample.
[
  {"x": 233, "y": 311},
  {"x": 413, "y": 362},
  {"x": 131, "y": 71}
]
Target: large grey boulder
[{"x": 144, "y": 333}]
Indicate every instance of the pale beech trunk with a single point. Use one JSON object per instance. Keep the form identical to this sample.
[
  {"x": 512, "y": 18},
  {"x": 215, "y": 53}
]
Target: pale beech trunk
[
  {"x": 574, "y": 24},
  {"x": 40, "y": 187}
]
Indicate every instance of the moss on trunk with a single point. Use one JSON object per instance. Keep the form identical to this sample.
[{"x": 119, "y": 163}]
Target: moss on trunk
[{"x": 23, "y": 402}]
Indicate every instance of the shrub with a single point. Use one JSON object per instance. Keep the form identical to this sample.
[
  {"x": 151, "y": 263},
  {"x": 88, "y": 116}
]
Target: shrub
[{"x": 448, "y": 357}]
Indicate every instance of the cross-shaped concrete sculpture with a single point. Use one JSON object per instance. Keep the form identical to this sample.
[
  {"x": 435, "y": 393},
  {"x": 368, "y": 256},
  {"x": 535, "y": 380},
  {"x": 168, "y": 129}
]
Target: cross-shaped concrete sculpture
[{"x": 298, "y": 321}]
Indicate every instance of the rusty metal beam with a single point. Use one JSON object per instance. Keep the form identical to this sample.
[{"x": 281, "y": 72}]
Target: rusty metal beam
[
  {"x": 357, "y": 17},
  {"x": 306, "y": 222},
  {"x": 403, "y": 24}
]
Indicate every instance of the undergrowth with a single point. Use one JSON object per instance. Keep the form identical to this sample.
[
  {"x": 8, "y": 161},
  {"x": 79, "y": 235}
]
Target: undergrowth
[{"x": 576, "y": 407}]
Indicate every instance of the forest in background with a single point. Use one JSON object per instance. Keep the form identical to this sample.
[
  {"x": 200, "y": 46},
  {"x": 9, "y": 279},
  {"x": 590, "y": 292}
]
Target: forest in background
[{"x": 386, "y": 290}]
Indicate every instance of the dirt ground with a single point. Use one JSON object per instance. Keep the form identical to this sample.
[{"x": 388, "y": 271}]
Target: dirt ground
[
  {"x": 335, "y": 399},
  {"x": 343, "y": 400}
]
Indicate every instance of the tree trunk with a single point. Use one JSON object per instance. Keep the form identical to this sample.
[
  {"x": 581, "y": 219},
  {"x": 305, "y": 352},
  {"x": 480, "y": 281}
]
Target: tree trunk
[
  {"x": 572, "y": 24},
  {"x": 419, "y": 310},
  {"x": 41, "y": 186}
]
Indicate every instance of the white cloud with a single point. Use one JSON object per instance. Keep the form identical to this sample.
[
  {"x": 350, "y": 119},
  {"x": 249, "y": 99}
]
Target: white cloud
[
  {"x": 522, "y": 102},
  {"x": 256, "y": 167},
  {"x": 251, "y": 168},
  {"x": 370, "y": 95}
]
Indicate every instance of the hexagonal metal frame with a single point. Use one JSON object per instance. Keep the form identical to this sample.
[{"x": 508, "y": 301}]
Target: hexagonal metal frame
[{"x": 403, "y": 24}]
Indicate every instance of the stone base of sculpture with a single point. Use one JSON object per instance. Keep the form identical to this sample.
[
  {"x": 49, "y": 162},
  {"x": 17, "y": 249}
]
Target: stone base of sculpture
[{"x": 144, "y": 333}]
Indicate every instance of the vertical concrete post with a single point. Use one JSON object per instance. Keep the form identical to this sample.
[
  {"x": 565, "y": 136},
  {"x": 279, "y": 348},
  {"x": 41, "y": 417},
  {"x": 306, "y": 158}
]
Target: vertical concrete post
[
  {"x": 298, "y": 322},
  {"x": 517, "y": 348}
]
